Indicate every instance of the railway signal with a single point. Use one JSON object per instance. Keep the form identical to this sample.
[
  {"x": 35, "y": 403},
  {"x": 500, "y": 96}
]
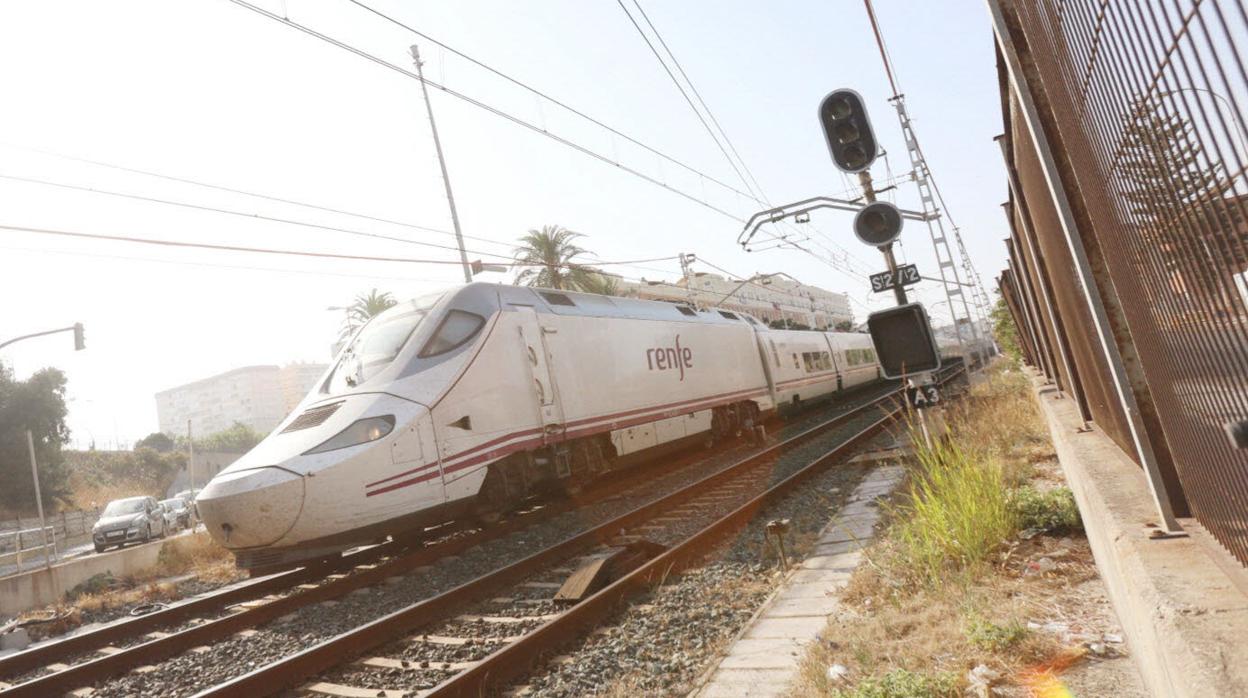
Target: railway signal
[
  {"x": 903, "y": 339},
  {"x": 878, "y": 224},
  {"x": 847, "y": 130}
]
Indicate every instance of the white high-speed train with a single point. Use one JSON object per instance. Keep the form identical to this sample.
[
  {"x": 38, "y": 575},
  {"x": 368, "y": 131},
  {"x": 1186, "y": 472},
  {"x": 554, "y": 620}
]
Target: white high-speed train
[{"x": 473, "y": 399}]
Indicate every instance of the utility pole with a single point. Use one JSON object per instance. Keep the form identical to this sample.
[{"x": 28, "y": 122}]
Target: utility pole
[
  {"x": 868, "y": 194},
  {"x": 43, "y": 524},
  {"x": 190, "y": 457},
  {"x": 685, "y": 261},
  {"x": 446, "y": 178}
]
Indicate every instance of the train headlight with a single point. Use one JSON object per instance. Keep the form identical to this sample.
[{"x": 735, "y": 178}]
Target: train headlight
[{"x": 360, "y": 432}]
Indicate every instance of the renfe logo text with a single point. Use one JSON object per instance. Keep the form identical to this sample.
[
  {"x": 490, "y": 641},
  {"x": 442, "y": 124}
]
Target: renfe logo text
[{"x": 665, "y": 358}]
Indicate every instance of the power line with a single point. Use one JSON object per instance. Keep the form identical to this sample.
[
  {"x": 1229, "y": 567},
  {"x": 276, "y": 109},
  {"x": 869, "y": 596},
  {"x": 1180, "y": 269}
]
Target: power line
[
  {"x": 268, "y": 250},
  {"x": 482, "y": 105},
  {"x": 244, "y": 192},
  {"x": 689, "y": 101},
  {"x": 226, "y": 248},
  {"x": 244, "y": 214},
  {"x": 548, "y": 98},
  {"x": 241, "y": 267}
]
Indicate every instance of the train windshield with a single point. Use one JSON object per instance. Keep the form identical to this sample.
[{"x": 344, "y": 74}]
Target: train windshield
[{"x": 379, "y": 343}]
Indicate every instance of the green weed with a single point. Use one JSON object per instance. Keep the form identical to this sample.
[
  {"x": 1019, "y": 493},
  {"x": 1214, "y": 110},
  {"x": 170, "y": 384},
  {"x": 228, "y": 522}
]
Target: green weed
[
  {"x": 1051, "y": 511},
  {"x": 900, "y": 683}
]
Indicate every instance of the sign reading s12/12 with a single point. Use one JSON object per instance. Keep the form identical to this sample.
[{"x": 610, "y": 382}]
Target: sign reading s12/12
[{"x": 907, "y": 274}]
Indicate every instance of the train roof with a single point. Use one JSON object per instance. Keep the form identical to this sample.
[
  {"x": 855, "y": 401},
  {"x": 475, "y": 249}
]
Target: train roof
[{"x": 544, "y": 300}]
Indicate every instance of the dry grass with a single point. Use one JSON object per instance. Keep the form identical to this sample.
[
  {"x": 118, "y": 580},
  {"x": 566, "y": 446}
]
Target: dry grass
[
  {"x": 950, "y": 585},
  {"x": 105, "y": 596}
]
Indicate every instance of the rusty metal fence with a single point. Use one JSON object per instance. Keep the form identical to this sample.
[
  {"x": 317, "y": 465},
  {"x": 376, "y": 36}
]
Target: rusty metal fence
[{"x": 1126, "y": 152}]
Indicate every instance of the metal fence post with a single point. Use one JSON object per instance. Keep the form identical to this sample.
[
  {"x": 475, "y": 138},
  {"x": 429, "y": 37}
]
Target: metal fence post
[{"x": 1126, "y": 397}]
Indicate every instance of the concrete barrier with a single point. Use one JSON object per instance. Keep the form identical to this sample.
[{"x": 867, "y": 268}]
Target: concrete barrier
[
  {"x": 45, "y": 586},
  {"x": 1177, "y": 599}
]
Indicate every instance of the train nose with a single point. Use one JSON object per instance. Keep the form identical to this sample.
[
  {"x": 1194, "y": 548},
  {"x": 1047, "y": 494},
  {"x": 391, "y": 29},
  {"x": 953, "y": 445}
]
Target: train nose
[{"x": 251, "y": 507}]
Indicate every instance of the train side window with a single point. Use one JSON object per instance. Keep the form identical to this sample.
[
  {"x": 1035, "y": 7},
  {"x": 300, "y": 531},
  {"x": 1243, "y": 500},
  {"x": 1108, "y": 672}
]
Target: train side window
[
  {"x": 728, "y": 315},
  {"x": 455, "y": 329},
  {"x": 795, "y": 363},
  {"x": 686, "y": 310}
]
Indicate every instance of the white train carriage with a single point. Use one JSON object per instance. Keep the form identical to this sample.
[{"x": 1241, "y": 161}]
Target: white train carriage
[{"x": 474, "y": 399}]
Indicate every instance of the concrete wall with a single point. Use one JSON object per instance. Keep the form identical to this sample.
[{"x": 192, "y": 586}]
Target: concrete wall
[
  {"x": 43, "y": 586},
  {"x": 1180, "y": 600}
]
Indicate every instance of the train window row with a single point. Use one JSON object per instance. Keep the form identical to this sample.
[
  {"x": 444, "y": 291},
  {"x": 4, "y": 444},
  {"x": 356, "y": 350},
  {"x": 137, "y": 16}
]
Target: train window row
[
  {"x": 817, "y": 361},
  {"x": 857, "y": 357}
]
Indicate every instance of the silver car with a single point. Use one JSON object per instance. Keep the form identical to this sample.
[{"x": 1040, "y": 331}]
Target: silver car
[{"x": 130, "y": 520}]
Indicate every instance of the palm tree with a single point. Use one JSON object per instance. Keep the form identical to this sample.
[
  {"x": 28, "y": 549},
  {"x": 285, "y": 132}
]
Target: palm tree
[
  {"x": 550, "y": 252},
  {"x": 594, "y": 281},
  {"x": 363, "y": 309}
]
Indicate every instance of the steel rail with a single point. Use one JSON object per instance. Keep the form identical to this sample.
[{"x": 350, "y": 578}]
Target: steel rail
[
  {"x": 289, "y": 671},
  {"x": 515, "y": 659},
  {"x": 91, "y": 671},
  {"x": 42, "y": 655}
]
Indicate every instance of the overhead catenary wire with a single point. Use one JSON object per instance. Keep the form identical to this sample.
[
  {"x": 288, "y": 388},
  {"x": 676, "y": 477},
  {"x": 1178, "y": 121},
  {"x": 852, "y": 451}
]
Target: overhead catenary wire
[
  {"x": 760, "y": 197},
  {"x": 486, "y": 107},
  {"x": 546, "y": 96},
  {"x": 689, "y": 101},
  {"x": 693, "y": 88}
]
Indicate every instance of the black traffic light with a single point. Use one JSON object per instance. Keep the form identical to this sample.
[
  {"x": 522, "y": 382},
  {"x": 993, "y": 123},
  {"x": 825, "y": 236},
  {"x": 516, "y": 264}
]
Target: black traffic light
[
  {"x": 848, "y": 130},
  {"x": 903, "y": 339},
  {"x": 878, "y": 223},
  {"x": 80, "y": 341}
]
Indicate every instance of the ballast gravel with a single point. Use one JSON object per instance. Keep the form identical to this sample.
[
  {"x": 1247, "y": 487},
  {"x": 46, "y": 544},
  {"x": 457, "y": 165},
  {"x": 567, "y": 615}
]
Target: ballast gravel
[{"x": 191, "y": 672}]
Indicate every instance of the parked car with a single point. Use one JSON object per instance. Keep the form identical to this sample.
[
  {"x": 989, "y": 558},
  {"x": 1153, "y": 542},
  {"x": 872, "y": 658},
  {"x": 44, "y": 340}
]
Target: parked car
[
  {"x": 177, "y": 513},
  {"x": 130, "y": 520},
  {"x": 189, "y": 496}
]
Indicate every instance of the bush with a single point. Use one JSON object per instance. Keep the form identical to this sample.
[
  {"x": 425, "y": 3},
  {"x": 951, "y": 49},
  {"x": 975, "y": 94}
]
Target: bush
[
  {"x": 993, "y": 637},
  {"x": 1050, "y": 511},
  {"x": 959, "y": 512},
  {"x": 900, "y": 683}
]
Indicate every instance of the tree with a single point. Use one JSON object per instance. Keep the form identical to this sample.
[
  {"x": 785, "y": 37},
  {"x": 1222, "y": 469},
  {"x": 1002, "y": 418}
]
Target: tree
[
  {"x": 239, "y": 438},
  {"x": 1005, "y": 331},
  {"x": 844, "y": 326},
  {"x": 594, "y": 281},
  {"x": 363, "y": 309},
  {"x": 157, "y": 441},
  {"x": 550, "y": 252},
  {"x": 37, "y": 404}
]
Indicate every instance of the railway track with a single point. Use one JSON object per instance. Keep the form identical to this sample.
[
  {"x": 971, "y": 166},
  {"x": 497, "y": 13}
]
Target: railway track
[
  {"x": 90, "y": 657},
  {"x": 478, "y": 637}
]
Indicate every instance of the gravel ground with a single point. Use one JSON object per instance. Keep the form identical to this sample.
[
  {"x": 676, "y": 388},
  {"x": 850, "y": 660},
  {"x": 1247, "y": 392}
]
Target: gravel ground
[
  {"x": 682, "y": 623},
  {"x": 188, "y": 673},
  {"x": 668, "y": 638}
]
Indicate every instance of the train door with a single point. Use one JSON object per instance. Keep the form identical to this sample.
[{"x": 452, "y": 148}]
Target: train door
[
  {"x": 836, "y": 363},
  {"x": 533, "y": 338},
  {"x": 416, "y": 451}
]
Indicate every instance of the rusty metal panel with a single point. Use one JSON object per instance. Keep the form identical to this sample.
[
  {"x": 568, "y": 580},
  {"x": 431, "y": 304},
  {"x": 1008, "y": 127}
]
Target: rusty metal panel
[
  {"x": 1145, "y": 102},
  {"x": 1005, "y": 284}
]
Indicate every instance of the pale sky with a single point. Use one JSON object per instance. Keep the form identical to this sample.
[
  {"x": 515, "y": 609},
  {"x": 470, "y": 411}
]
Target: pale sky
[{"x": 210, "y": 91}]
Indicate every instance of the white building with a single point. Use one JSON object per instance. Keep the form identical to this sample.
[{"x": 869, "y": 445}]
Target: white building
[
  {"x": 769, "y": 297},
  {"x": 258, "y": 396}
]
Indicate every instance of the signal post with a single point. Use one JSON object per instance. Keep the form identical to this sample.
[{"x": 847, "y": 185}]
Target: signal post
[{"x": 902, "y": 336}]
